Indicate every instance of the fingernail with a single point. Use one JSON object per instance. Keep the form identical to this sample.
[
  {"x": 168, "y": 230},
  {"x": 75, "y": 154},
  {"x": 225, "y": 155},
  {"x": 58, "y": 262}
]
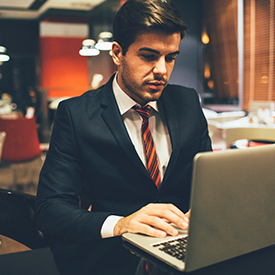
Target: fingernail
[
  {"x": 175, "y": 232},
  {"x": 185, "y": 224},
  {"x": 186, "y": 219}
]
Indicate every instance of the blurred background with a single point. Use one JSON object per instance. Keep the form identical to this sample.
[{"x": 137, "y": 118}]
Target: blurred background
[
  {"x": 51, "y": 50},
  {"x": 55, "y": 49}
]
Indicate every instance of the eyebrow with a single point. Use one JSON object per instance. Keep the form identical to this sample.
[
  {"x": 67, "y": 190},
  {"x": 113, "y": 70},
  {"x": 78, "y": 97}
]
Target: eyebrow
[{"x": 156, "y": 52}]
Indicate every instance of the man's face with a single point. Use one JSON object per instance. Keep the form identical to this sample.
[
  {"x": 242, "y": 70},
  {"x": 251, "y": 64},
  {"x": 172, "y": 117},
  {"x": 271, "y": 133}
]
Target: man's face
[{"x": 145, "y": 69}]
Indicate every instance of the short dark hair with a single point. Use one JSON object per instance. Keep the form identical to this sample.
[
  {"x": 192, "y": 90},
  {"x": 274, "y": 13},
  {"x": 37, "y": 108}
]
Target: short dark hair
[{"x": 138, "y": 15}]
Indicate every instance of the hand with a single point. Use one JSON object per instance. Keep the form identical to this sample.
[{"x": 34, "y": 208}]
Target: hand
[{"x": 153, "y": 220}]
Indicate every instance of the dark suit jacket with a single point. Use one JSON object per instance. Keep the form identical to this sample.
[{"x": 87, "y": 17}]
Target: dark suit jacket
[{"x": 91, "y": 149}]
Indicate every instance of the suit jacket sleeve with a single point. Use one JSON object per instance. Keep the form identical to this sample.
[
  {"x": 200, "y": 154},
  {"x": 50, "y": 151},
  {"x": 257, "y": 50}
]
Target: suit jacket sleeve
[{"x": 58, "y": 196}]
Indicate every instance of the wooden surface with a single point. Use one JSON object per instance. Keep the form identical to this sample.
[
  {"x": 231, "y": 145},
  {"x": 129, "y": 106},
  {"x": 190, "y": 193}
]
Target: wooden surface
[{"x": 10, "y": 246}]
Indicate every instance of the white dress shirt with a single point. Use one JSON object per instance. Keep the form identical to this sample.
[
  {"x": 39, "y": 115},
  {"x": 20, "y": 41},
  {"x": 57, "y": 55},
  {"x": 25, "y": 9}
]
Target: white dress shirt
[{"x": 133, "y": 123}]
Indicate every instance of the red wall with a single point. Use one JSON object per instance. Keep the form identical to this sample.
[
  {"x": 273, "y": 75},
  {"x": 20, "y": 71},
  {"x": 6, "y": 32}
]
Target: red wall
[{"x": 63, "y": 71}]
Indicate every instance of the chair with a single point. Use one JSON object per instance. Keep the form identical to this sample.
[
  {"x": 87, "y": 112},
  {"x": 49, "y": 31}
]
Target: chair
[
  {"x": 216, "y": 134},
  {"x": 2, "y": 139},
  {"x": 254, "y": 106},
  {"x": 21, "y": 146},
  {"x": 17, "y": 219},
  {"x": 17, "y": 222},
  {"x": 262, "y": 111},
  {"x": 261, "y": 134}
]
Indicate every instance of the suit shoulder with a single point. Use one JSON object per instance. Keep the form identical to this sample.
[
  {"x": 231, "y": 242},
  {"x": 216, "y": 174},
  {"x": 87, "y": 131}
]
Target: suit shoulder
[
  {"x": 91, "y": 95},
  {"x": 178, "y": 91},
  {"x": 179, "y": 88}
]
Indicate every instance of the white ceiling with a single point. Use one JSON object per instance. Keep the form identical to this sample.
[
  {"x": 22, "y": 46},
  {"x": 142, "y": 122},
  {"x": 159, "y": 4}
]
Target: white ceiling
[{"x": 19, "y": 9}]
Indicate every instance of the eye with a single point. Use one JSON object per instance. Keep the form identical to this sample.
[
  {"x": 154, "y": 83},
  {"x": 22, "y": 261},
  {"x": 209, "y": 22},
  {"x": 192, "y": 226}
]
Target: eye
[
  {"x": 149, "y": 57},
  {"x": 170, "y": 59}
]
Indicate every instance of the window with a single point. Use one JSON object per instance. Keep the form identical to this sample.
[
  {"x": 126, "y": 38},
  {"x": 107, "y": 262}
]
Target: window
[
  {"x": 259, "y": 73},
  {"x": 220, "y": 55},
  {"x": 239, "y": 59}
]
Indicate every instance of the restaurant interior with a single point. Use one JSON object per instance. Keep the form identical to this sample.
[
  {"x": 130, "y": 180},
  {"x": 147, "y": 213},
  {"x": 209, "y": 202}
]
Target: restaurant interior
[{"x": 51, "y": 50}]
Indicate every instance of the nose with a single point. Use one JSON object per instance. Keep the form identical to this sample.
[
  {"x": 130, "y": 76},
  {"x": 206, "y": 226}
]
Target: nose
[{"x": 160, "y": 67}]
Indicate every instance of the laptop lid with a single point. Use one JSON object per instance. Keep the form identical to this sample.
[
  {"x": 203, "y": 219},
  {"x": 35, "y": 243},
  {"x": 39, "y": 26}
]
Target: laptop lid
[
  {"x": 232, "y": 204},
  {"x": 232, "y": 208}
]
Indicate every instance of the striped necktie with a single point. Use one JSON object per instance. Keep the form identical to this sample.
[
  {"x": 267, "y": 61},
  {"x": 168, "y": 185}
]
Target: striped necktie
[{"x": 150, "y": 150}]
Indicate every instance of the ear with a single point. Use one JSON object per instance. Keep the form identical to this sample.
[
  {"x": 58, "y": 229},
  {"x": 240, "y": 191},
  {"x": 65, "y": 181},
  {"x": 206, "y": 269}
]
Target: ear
[{"x": 116, "y": 53}]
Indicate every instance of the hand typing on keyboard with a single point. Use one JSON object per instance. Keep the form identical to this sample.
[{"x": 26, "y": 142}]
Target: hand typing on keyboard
[{"x": 154, "y": 220}]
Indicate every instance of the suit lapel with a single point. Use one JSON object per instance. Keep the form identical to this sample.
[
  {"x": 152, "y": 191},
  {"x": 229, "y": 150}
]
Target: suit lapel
[
  {"x": 114, "y": 121},
  {"x": 173, "y": 128}
]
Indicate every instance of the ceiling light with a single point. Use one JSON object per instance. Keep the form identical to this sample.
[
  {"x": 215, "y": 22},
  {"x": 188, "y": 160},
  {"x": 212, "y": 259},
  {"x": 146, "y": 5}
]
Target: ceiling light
[
  {"x": 205, "y": 38},
  {"x": 104, "y": 45},
  {"x": 88, "y": 48},
  {"x": 3, "y": 56},
  {"x": 105, "y": 41},
  {"x": 103, "y": 35},
  {"x": 88, "y": 42}
]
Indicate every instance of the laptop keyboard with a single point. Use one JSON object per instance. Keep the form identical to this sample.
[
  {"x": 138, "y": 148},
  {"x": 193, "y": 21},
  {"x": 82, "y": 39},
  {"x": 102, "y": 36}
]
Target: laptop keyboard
[{"x": 176, "y": 248}]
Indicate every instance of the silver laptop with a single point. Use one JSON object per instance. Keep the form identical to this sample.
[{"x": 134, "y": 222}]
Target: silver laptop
[{"x": 232, "y": 209}]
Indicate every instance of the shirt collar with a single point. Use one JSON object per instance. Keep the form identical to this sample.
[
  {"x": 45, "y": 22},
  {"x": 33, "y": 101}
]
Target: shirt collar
[{"x": 124, "y": 102}]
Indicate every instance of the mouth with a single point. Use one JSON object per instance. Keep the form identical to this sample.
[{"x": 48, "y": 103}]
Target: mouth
[{"x": 156, "y": 85}]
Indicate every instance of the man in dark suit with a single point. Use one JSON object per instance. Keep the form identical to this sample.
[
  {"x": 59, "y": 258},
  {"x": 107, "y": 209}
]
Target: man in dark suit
[{"x": 97, "y": 151}]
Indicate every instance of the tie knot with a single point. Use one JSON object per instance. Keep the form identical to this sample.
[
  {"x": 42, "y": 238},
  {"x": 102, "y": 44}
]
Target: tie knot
[{"x": 144, "y": 112}]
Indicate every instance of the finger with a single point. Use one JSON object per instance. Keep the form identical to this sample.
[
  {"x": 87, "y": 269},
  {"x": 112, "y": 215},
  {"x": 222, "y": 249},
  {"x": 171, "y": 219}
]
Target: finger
[
  {"x": 170, "y": 213},
  {"x": 165, "y": 220},
  {"x": 153, "y": 220},
  {"x": 151, "y": 231},
  {"x": 145, "y": 224},
  {"x": 159, "y": 223},
  {"x": 187, "y": 214},
  {"x": 164, "y": 210},
  {"x": 162, "y": 219}
]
